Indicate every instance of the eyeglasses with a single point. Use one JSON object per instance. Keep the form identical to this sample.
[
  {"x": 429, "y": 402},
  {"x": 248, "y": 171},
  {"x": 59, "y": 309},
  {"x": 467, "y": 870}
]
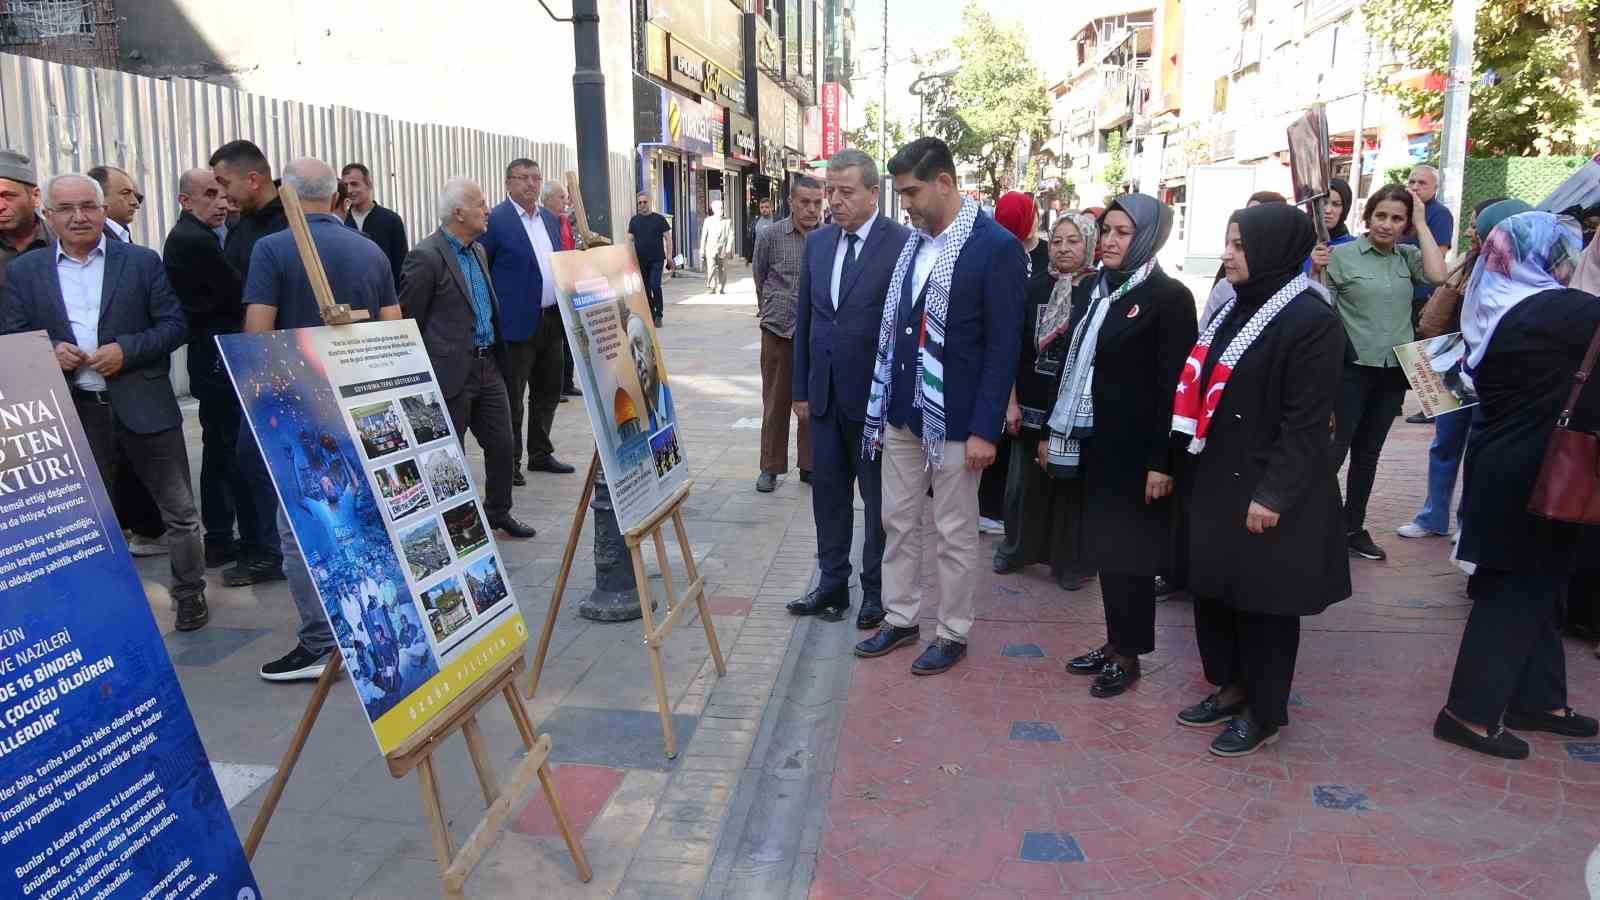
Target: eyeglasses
[{"x": 67, "y": 209}]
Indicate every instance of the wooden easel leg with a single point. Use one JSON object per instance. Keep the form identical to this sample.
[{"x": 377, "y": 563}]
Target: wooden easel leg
[
  {"x": 480, "y": 760},
  {"x": 576, "y": 849},
  {"x": 519, "y": 715},
  {"x": 561, "y": 577},
  {"x": 291, "y": 754},
  {"x": 433, "y": 811},
  {"x": 700, "y": 597},
  {"x": 652, "y": 644}
]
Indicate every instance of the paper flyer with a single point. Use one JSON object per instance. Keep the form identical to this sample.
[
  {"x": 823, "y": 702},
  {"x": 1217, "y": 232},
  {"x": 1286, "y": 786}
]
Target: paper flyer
[
  {"x": 384, "y": 509},
  {"x": 1436, "y": 369},
  {"x": 105, "y": 789},
  {"x": 624, "y": 376}
]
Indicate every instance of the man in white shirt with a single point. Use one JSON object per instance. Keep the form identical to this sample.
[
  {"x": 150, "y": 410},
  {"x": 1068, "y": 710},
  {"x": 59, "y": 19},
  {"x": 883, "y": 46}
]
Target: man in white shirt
[{"x": 716, "y": 244}]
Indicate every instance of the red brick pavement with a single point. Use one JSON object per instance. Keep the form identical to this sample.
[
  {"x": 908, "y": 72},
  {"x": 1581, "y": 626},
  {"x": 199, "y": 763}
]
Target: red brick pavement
[{"x": 932, "y": 798}]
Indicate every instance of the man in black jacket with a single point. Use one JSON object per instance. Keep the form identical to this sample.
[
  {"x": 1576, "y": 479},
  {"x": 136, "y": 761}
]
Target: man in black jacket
[
  {"x": 210, "y": 292},
  {"x": 245, "y": 178},
  {"x": 380, "y": 223}
]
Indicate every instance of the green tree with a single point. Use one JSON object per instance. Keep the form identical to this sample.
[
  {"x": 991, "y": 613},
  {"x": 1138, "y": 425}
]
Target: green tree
[
  {"x": 865, "y": 138},
  {"x": 995, "y": 102},
  {"x": 1114, "y": 173},
  {"x": 1534, "y": 75}
]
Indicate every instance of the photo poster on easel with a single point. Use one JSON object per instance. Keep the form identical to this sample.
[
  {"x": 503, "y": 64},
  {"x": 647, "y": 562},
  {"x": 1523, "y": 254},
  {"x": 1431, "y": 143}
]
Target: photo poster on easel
[
  {"x": 385, "y": 511},
  {"x": 105, "y": 789},
  {"x": 625, "y": 385}
]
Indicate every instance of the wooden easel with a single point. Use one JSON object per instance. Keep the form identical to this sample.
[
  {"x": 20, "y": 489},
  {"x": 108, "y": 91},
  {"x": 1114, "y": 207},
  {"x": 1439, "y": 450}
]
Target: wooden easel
[
  {"x": 460, "y": 714},
  {"x": 694, "y": 596}
]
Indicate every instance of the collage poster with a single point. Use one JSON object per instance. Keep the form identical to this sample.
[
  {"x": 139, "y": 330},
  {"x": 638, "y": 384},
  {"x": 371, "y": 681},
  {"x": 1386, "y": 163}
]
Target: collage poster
[
  {"x": 105, "y": 789},
  {"x": 1436, "y": 368},
  {"x": 624, "y": 377},
  {"x": 384, "y": 509}
]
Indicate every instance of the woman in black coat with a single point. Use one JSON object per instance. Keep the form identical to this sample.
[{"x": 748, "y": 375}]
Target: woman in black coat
[
  {"x": 1129, "y": 332},
  {"x": 1261, "y": 497},
  {"x": 1526, "y": 334}
]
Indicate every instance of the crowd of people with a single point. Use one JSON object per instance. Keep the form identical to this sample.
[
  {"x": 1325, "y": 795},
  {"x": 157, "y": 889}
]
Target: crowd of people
[
  {"x": 1156, "y": 447},
  {"x": 480, "y": 288}
]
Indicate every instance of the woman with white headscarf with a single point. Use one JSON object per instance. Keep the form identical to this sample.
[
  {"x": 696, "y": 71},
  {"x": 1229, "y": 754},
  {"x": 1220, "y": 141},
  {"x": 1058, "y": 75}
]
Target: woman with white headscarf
[
  {"x": 1527, "y": 333},
  {"x": 1131, "y": 328}
]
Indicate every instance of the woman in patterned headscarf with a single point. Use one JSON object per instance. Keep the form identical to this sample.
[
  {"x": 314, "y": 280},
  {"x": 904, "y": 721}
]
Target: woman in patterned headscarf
[
  {"x": 1131, "y": 328},
  {"x": 1039, "y": 510}
]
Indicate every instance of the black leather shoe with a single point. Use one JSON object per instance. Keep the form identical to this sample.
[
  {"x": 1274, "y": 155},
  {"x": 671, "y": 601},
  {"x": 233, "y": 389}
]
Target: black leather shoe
[
  {"x": 512, "y": 527},
  {"x": 1004, "y": 565},
  {"x": 253, "y": 572},
  {"x": 219, "y": 555},
  {"x": 518, "y": 479},
  {"x": 1090, "y": 663},
  {"x": 828, "y": 605},
  {"x": 766, "y": 482},
  {"x": 1362, "y": 545},
  {"x": 888, "y": 638},
  {"x": 549, "y": 464},
  {"x": 192, "y": 613},
  {"x": 571, "y": 390},
  {"x": 805, "y": 476},
  {"x": 1417, "y": 419},
  {"x": 1072, "y": 581},
  {"x": 1500, "y": 742},
  {"x": 871, "y": 614},
  {"x": 1242, "y": 737},
  {"x": 940, "y": 655},
  {"x": 1209, "y": 712},
  {"x": 1114, "y": 679},
  {"x": 1568, "y": 724}
]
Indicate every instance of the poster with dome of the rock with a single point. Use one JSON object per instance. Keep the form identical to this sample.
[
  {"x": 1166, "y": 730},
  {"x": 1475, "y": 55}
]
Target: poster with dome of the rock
[{"x": 623, "y": 374}]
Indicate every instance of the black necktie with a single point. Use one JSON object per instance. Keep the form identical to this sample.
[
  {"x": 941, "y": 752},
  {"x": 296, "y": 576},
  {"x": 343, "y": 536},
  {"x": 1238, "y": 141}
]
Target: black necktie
[{"x": 851, "y": 239}]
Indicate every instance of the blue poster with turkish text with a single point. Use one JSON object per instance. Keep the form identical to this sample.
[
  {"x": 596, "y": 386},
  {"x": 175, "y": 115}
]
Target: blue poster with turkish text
[{"x": 105, "y": 790}]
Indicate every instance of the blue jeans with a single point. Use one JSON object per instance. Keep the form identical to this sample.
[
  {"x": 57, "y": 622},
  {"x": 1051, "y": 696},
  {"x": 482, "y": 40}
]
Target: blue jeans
[{"x": 1444, "y": 463}]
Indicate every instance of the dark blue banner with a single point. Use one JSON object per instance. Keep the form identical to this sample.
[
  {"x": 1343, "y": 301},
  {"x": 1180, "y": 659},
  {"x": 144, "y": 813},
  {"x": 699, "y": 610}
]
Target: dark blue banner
[{"x": 105, "y": 790}]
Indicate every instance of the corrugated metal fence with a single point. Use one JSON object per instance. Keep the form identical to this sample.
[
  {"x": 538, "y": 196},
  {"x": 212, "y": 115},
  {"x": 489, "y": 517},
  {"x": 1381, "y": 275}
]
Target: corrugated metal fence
[{"x": 70, "y": 118}]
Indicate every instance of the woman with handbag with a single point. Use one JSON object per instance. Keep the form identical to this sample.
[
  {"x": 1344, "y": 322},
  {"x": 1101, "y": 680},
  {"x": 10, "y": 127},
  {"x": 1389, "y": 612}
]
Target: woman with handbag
[
  {"x": 1266, "y": 542},
  {"x": 1526, "y": 332},
  {"x": 1442, "y": 315},
  {"x": 1130, "y": 330}
]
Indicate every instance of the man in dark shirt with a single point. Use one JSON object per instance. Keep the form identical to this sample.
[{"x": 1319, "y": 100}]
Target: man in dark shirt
[
  {"x": 380, "y": 223},
  {"x": 652, "y": 243},
  {"x": 209, "y": 290},
  {"x": 278, "y": 295},
  {"x": 22, "y": 229},
  {"x": 245, "y": 179}
]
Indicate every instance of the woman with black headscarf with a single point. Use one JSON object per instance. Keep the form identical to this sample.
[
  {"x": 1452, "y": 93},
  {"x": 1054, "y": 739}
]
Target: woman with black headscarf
[
  {"x": 1127, "y": 336},
  {"x": 1266, "y": 541}
]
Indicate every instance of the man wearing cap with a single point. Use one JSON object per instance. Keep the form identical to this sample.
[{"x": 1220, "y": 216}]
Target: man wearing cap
[{"x": 21, "y": 227}]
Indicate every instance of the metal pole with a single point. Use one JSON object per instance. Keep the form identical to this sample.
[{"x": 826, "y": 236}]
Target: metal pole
[
  {"x": 883, "y": 84},
  {"x": 1358, "y": 149},
  {"x": 589, "y": 107},
  {"x": 1457, "y": 105}
]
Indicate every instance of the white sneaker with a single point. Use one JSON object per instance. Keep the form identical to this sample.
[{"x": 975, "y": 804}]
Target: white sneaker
[
  {"x": 987, "y": 525},
  {"x": 1413, "y": 530},
  {"x": 139, "y": 545}
]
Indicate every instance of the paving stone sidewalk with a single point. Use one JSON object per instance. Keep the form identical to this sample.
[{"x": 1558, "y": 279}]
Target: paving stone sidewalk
[{"x": 1005, "y": 779}]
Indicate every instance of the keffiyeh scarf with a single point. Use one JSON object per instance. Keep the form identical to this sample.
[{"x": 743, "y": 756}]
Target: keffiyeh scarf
[
  {"x": 1193, "y": 408},
  {"x": 929, "y": 384},
  {"x": 1072, "y": 417}
]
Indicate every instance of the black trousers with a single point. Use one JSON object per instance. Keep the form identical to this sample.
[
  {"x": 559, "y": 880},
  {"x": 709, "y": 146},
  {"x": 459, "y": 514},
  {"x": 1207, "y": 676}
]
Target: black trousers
[
  {"x": 535, "y": 379},
  {"x": 1252, "y": 651},
  {"x": 566, "y": 367},
  {"x": 225, "y": 495},
  {"x": 1369, "y": 400},
  {"x": 1130, "y": 605},
  {"x": 652, "y": 286},
  {"x": 263, "y": 502},
  {"x": 992, "y": 483},
  {"x": 482, "y": 407},
  {"x": 838, "y": 471},
  {"x": 135, "y": 508},
  {"x": 1511, "y": 654}
]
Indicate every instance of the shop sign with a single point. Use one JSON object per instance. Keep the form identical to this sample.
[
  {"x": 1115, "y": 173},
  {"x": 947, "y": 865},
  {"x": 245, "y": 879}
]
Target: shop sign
[
  {"x": 655, "y": 52},
  {"x": 769, "y": 50},
  {"x": 770, "y": 119},
  {"x": 834, "y": 100},
  {"x": 715, "y": 28},
  {"x": 688, "y": 68},
  {"x": 741, "y": 138},
  {"x": 684, "y": 123},
  {"x": 791, "y": 122},
  {"x": 771, "y": 157},
  {"x": 716, "y": 121}
]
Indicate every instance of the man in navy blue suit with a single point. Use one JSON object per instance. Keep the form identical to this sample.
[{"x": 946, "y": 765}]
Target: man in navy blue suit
[
  {"x": 947, "y": 356},
  {"x": 843, "y": 280},
  {"x": 521, "y": 237}
]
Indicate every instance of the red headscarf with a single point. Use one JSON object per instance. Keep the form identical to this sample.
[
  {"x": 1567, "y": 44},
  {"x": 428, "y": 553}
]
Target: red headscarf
[{"x": 1015, "y": 213}]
